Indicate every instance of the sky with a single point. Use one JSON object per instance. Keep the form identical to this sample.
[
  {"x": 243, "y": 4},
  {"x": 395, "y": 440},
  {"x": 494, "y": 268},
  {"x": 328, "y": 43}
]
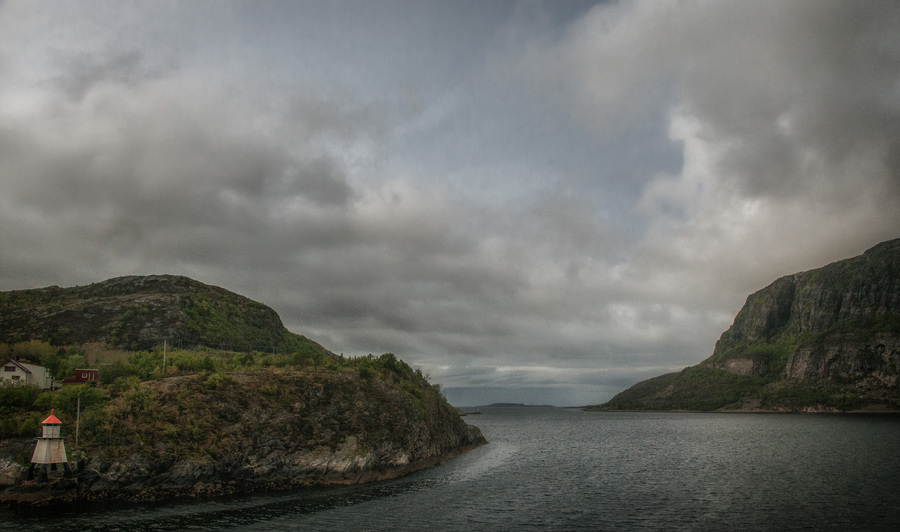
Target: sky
[{"x": 540, "y": 202}]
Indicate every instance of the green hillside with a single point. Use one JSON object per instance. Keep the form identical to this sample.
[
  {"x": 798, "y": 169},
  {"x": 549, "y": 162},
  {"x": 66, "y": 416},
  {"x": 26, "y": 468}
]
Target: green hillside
[{"x": 140, "y": 312}]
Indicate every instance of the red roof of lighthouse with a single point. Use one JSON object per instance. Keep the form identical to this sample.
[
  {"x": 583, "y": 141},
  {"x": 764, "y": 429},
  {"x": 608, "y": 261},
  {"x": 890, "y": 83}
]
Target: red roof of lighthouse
[{"x": 52, "y": 420}]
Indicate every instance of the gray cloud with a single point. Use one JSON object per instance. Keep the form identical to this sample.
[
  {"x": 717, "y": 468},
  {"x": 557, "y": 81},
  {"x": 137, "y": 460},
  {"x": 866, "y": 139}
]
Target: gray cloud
[
  {"x": 790, "y": 93},
  {"x": 83, "y": 72},
  {"x": 530, "y": 202},
  {"x": 822, "y": 93}
]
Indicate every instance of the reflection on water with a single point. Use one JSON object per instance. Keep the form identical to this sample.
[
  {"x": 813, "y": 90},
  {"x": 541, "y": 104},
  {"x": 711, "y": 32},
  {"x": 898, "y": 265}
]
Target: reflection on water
[
  {"x": 556, "y": 469},
  {"x": 207, "y": 515}
]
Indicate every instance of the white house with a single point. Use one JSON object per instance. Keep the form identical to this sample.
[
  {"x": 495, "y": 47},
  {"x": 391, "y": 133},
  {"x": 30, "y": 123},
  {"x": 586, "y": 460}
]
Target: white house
[{"x": 16, "y": 371}]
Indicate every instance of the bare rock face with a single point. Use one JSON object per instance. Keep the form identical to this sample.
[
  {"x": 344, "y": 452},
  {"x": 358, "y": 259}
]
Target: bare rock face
[
  {"x": 741, "y": 366},
  {"x": 765, "y": 311},
  {"x": 840, "y": 322},
  {"x": 874, "y": 357}
]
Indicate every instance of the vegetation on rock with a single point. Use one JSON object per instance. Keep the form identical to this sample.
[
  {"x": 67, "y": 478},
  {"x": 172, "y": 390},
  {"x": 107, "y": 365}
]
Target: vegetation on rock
[{"x": 246, "y": 423}]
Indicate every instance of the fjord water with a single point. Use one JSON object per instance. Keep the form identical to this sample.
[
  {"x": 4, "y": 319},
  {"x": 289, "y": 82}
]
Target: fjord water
[{"x": 561, "y": 469}]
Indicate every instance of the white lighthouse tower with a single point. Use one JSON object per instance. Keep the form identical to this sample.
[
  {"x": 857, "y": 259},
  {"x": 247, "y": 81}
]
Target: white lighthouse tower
[{"x": 50, "y": 448}]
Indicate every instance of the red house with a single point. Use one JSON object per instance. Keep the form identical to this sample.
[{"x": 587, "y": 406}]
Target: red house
[{"x": 82, "y": 375}]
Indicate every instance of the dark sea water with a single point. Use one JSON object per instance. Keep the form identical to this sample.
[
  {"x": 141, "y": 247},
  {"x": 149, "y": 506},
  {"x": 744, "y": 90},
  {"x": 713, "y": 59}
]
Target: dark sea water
[{"x": 560, "y": 469}]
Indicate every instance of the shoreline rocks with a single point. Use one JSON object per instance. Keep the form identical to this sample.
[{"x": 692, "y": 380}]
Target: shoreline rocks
[{"x": 140, "y": 480}]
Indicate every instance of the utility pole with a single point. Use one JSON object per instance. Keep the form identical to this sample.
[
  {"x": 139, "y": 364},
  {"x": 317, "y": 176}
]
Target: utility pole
[{"x": 77, "y": 420}]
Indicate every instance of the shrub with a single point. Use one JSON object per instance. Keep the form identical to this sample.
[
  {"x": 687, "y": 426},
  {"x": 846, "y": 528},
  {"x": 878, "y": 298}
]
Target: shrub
[
  {"x": 217, "y": 379},
  {"x": 18, "y": 394},
  {"x": 32, "y": 425},
  {"x": 67, "y": 398},
  {"x": 110, "y": 373},
  {"x": 138, "y": 400}
]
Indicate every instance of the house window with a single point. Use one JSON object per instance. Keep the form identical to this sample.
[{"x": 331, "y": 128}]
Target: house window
[
  {"x": 9, "y": 368},
  {"x": 15, "y": 377},
  {"x": 84, "y": 375}
]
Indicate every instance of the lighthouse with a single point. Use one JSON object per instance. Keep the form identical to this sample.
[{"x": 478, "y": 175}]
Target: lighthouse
[{"x": 50, "y": 447}]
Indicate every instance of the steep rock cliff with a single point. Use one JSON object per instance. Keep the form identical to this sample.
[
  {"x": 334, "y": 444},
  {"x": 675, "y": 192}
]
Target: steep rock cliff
[
  {"x": 839, "y": 322},
  {"x": 822, "y": 340}
]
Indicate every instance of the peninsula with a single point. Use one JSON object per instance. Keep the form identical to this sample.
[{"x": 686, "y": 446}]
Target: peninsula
[{"x": 202, "y": 392}]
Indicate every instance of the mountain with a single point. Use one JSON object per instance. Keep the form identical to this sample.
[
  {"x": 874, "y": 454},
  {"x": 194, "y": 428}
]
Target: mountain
[
  {"x": 140, "y": 312},
  {"x": 822, "y": 340}
]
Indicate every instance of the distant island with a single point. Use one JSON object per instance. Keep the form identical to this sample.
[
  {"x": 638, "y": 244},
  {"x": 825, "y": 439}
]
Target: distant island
[
  {"x": 197, "y": 391},
  {"x": 514, "y": 405},
  {"x": 476, "y": 409},
  {"x": 825, "y": 340}
]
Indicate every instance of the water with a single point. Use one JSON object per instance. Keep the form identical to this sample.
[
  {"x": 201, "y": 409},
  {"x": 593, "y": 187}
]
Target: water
[{"x": 558, "y": 469}]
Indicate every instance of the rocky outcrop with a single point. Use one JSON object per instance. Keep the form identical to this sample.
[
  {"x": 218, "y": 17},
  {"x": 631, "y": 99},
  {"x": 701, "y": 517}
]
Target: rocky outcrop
[
  {"x": 264, "y": 430},
  {"x": 839, "y": 322},
  {"x": 822, "y": 340}
]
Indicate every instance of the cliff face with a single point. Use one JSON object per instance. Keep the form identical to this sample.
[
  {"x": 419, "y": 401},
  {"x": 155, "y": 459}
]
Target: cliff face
[
  {"x": 839, "y": 322},
  {"x": 139, "y": 312},
  {"x": 876, "y": 357},
  {"x": 825, "y": 339}
]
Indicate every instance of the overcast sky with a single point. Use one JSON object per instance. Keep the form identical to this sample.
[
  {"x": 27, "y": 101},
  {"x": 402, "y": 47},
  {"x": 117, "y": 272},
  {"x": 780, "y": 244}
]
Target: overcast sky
[{"x": 540, "y": 202}]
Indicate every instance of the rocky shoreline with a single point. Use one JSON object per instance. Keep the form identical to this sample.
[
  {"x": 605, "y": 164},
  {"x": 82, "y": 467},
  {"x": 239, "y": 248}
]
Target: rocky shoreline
[{"x": 142, "y": 481}]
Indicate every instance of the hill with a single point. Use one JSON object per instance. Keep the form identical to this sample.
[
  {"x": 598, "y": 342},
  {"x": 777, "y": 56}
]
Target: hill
[
  {"x": 140, "y": 312},
  {"x": 822, "y": 340},
  {"x": 214, "y": 415}
]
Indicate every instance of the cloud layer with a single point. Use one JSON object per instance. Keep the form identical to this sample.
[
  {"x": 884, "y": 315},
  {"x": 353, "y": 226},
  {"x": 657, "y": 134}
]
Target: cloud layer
[{"x": 535, "y": 202}]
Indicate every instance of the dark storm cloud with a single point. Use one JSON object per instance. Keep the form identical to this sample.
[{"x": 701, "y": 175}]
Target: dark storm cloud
[{"x": 157, "y": 167}]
